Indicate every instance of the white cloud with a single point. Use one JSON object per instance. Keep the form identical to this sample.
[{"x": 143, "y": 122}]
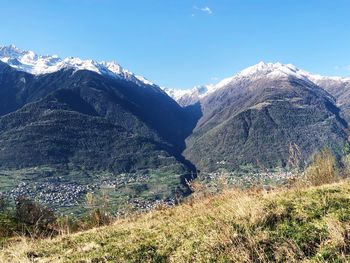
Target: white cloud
[
  {"x": 347, "y": 67},
  {"x": 205, "y": 9}
]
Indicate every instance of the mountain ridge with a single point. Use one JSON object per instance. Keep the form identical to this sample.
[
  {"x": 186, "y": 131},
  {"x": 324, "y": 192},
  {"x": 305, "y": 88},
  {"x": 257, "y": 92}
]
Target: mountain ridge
[
  {"x": 272, "y": 70},
  {"x": 30, "y": 62}
]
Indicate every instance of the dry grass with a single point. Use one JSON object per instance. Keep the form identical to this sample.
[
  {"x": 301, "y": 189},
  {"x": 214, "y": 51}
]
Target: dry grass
[
  {"x": 235, "y": 226},
  {"x": 323, "y": 169}
]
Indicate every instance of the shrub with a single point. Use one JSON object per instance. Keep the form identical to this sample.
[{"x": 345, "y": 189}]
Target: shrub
[
  {"x": 323, "y": 169},
  {"x": 99, "y": 218},
  {"x": 98, "y": 207},
  {"x": 31, "y": 213},
  {"x": 3, "y": 204},
  {"x": 345, "y": 165}
]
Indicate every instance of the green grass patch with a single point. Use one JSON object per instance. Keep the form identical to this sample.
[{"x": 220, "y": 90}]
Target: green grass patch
[{"x": 310, "y": 225}]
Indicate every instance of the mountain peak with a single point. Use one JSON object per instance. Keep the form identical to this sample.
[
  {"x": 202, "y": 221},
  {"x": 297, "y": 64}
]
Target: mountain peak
[
  {"x": 32, "y": 63},
  {"x": 272, "y": 70},
  {"x": 10, "y": 51},
  {"x": 266, "y": 70},
  {"x": 258, "y": 71}
]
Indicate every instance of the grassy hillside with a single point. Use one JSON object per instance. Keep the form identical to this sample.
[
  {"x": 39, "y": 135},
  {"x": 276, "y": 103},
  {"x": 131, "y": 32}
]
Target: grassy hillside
[{"x": 309, "y": 224}]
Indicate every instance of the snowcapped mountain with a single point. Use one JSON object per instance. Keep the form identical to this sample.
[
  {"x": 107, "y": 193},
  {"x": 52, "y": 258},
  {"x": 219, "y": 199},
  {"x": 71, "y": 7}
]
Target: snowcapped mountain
[
  {"x": 36, "y": 64},
  {"x": 260, "y": 70},
  {"x": 190, "y": 96},
  {"x": 253, "y": 117}
]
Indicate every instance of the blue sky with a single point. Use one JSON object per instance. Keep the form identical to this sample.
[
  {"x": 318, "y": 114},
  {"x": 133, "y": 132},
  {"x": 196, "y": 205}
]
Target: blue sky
[{"x": 182, "y": 43}]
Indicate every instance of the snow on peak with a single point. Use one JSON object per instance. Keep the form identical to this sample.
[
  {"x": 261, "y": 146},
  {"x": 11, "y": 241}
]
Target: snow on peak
[
  {"x": 35, "y": 64},
  {"x": 187, "y": 97},
  {"x": 10, "y": 51},
  {"x": 271, "y": 70},
  {"x": 260, "y": 70},
  {"x": 275, "y": 70},
  {"x": 176, "y": 94},
  {"x": 263, "y": 70}
]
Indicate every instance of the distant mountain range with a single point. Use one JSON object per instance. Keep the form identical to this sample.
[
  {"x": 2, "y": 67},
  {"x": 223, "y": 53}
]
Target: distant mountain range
[
  {"x": 82, "y": 116},
  {"x": 32, "y": 63}
]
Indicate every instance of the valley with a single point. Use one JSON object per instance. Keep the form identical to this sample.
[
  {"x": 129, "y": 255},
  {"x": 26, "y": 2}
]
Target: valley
[
  {"x": 70, "y": 127},
  {"x": 175, "y": 131}
]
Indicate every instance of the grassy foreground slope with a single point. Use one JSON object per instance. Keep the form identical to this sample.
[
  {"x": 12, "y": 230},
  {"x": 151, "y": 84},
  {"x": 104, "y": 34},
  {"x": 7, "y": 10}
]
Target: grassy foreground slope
[{"x": 311, "y": 225}]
